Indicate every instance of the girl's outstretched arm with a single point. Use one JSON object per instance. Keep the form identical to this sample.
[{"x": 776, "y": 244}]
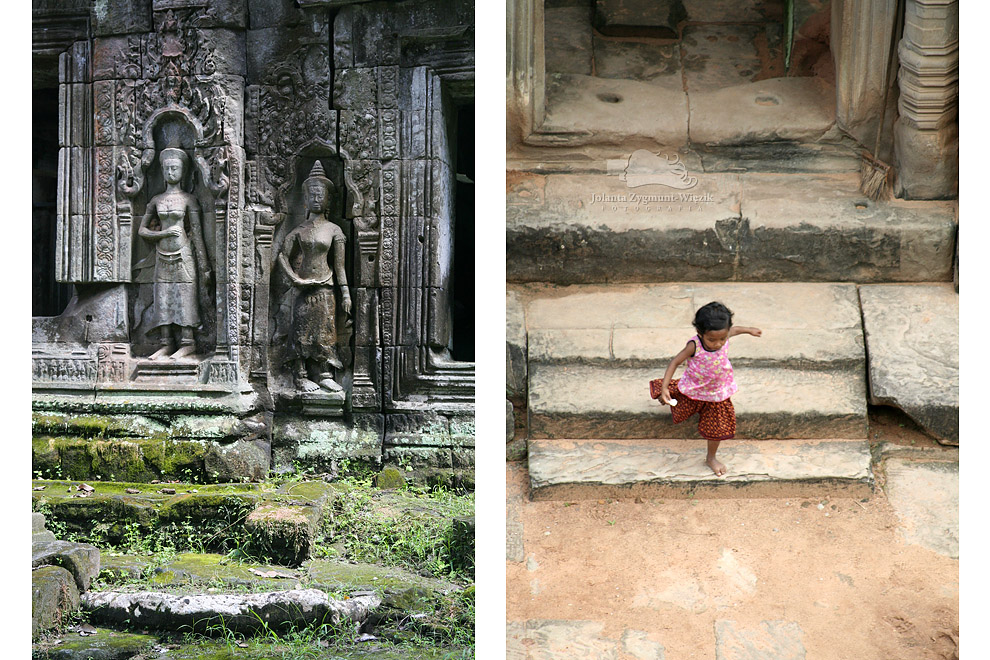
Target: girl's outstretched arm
[
  {"x": 685, "y": 353},
  {"x": 744, "y": 330}
]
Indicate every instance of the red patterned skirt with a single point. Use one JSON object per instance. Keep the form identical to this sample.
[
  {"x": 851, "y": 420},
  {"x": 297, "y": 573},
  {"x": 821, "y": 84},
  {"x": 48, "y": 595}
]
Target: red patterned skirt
[{"x": 716, "y": 419}]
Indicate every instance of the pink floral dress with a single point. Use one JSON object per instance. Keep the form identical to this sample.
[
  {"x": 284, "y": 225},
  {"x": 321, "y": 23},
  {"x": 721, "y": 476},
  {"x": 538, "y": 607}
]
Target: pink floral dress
[{"x": 708, "y": 374}]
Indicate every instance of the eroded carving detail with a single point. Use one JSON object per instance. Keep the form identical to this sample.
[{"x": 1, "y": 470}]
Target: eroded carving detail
[
  {"x": 111, "y": 361},
  {"x": 63, "y": 370}
]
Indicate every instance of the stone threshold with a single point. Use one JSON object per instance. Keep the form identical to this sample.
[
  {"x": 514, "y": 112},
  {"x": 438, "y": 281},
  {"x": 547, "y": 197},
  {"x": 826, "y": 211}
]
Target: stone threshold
[
  {"x": 593, "y": 469},
  {"x": 603, "y": 228}
]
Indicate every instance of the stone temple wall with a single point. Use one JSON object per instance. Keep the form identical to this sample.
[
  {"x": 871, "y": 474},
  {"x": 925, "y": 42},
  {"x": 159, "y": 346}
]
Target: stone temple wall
[{"x": 255, "y": 210}]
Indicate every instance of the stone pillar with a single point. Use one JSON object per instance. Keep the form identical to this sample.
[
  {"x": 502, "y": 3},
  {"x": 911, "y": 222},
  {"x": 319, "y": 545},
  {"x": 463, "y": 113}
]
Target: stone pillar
[
  {"x": 862, "y": 35},
  {"x": 926, "y": 136},
  {"x": 525, "y": 68}
]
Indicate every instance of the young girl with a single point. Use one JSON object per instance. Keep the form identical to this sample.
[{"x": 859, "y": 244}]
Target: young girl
[{"x": 707, "y": 381}]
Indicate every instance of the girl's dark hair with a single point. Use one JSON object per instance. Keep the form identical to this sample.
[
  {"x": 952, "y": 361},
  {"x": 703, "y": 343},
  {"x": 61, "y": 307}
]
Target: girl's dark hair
[{"x": 713, "y": 316}]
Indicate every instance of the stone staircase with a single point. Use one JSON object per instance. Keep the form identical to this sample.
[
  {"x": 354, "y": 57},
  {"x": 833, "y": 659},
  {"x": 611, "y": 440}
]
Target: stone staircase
[{"x": 603, "y": 285}]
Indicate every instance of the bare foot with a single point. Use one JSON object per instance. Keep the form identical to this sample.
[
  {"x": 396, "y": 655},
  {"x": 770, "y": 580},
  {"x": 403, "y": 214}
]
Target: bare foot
[
  {"x": 182, "y": 352},
  {"x": 330, "y": 384},
  {"x": 717, "y": 467},
  {"x": 306, "y": 385},
  {"x": 160, "y": 353}
]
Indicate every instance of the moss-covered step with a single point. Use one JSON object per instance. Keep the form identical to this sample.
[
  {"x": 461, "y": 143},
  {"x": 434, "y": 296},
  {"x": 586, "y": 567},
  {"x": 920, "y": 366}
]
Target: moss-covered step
[
  {"x": 109, "y": 644},
  {"x": 145, "y": 459},
  {"x": 193, "y": 572},
  {"x": 94, "y": 644},
  {"x": 279, "y": 522}
]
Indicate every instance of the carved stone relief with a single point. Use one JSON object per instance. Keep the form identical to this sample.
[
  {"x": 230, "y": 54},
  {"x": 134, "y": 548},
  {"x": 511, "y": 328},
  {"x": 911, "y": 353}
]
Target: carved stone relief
[
  {"x": 312, "y": 302},
  {"x": 258, "y": 217}
]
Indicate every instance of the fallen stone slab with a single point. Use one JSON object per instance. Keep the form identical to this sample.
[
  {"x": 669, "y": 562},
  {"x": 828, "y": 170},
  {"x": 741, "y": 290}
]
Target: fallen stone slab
[
  {"x": 581, "y": 401},
  {"x": 925, "y": 497},
  {"x": 780, "y": 640},
  {"x": 594, "y": 469},
  {"x": 285, "y": 532},
  {"x": 54, "y": 595},
  {"x": 38, "y": 532},
  {"x": 82, "y": 560},
  {"x": 912, "y": 339},
  {"x": 238, "y": 612}
]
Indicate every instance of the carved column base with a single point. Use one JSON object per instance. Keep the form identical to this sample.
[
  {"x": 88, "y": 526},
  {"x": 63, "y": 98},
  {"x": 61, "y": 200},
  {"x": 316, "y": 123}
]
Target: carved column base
[{"x": 927, "y": 161}]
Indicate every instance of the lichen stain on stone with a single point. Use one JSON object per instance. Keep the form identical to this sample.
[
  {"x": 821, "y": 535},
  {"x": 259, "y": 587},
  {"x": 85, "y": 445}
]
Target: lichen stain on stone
[{"x": 101, "y": 8}]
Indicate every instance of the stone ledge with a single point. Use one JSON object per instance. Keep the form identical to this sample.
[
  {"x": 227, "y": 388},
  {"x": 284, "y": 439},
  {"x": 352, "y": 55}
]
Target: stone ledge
[
  {"x": 805, "y": 326},
  {"x": 753, "y": 227},
  {"x": 590, "y": 469},
  {"x": 593, "y": 402}
]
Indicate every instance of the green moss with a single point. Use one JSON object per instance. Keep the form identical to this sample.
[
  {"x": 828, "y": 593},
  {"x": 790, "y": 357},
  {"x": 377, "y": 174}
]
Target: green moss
[
  {"x": 44, "y": 458},
  {"x": 313, "y": 491},
  {"x": 389, "y": 478},
  {"x": 399, "y": 528},
  {"x": 118, "y": 459},
  {"x": 174, "y": 458},
  {"x": 101, "y": 518},
  {"x": 207, "y": 506},
  {"x": 104, "y": 644}
]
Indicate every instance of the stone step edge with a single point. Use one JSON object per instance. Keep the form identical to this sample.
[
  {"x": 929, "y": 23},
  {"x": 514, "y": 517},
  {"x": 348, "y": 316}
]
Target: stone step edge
[
  {"x": 703, "y": 483},
  {"x": 119, "y": 570},
  {"x": 791, "y": 364},
  {"x": 249, "y": 613}
]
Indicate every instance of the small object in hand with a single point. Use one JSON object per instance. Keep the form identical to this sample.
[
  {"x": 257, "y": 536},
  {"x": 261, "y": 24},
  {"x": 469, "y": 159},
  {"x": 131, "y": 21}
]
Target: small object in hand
[{"x": 673, "y": 402}]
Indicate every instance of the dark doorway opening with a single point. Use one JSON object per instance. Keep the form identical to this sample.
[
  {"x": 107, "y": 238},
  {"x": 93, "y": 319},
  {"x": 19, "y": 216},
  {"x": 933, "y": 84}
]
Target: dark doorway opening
[
  {"x": 48, "y": 297},
  {"x": 462, "y": 289}
]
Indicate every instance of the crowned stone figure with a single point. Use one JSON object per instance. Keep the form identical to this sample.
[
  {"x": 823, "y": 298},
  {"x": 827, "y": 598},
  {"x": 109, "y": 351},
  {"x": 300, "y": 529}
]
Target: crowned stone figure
[
  {"x": 179, "y": 260},
  {"x": 306, "y": 259}
]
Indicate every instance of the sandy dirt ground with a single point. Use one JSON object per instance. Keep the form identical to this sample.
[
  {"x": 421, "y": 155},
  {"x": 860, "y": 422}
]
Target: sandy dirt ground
[{"x": 721, "y": 579}]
